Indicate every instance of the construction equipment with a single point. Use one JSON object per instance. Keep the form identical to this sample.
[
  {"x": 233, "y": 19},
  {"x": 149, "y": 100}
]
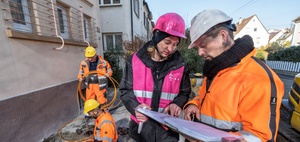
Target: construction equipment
[{"x": 289, "y": 128}]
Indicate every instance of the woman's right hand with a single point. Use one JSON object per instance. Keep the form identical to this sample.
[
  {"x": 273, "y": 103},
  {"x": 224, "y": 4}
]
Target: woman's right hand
[{"x": 139, "y": 116}]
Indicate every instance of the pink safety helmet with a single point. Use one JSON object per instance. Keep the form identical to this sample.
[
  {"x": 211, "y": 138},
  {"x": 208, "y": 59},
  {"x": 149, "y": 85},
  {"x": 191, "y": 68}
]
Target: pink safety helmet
[{"x": 172, "y": 24}]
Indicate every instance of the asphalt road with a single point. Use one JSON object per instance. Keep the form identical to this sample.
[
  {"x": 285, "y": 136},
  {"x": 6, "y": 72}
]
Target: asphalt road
[{"x": 288, "y": 82}]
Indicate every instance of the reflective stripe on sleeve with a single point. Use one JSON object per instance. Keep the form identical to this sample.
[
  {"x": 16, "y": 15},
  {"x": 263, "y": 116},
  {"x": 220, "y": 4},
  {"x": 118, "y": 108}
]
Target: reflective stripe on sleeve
[
  {"x": 221, "y": 124},
  {"x": 98, "y": 137}
]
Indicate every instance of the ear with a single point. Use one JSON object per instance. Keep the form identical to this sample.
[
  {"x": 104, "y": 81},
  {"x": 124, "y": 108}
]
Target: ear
[{"x": 224, "y": 35}]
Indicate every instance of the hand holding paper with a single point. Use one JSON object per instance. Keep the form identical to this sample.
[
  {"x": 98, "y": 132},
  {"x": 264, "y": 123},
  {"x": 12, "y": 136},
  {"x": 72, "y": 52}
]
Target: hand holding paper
[
  {"x": 192, "y": 130},
  {"x": 141, "y": 117}
]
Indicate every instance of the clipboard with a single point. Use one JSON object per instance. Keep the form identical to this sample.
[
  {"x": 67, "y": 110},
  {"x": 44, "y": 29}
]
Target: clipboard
[{"x": 192, "y": 129}]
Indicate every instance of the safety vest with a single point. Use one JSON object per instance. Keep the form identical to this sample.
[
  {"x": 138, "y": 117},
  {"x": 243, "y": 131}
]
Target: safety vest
[
  {"x": 143, "y": 84},
  {"x": 103, "y": 68},
  {"x": 105, "y": 128}
]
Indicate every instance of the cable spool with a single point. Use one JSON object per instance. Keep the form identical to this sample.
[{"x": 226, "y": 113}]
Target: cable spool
[{"x": 106, "y": 106}]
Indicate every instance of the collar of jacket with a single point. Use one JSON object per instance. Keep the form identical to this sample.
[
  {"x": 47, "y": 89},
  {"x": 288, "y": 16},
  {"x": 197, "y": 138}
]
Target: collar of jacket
[{"x": 242, "y": 47}]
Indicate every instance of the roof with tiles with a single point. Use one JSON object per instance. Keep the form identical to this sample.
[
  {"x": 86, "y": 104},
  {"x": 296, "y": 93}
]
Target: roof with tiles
[{"x": 242, "y": 23}]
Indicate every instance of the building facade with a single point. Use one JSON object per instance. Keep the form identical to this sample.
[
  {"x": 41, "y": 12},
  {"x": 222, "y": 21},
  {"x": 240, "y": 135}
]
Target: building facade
[
  {"x": 296, "y": 33},
  {"x": 42, "y": 44},
  {"x": 252, "y": 26}
]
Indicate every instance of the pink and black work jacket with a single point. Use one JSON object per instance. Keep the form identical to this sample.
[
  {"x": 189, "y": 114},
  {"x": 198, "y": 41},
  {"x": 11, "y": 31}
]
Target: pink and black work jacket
[
  {"x": 155, "y": 84},
  {"x": 141, "y": 83}
]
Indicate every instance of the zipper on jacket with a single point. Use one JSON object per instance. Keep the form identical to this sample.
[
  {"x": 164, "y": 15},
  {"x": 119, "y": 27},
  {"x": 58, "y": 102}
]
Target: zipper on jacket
[{"x": 203, "y": 100}]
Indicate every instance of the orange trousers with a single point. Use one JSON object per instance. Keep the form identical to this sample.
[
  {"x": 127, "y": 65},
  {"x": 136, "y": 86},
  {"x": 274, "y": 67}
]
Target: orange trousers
[{"x": 94, "y": 92}]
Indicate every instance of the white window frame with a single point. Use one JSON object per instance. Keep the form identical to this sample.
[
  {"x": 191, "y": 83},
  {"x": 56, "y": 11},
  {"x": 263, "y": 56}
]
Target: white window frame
[
  {"x": 26, "y": 27},
  {"x": 86, "y": 28},
  {"x": 136, "y": 7},
  {"x": 112, "y": 2},
  {"x": 146, "y": 23},
  {"x": 65, "y": 32},
  {"x": 105, "y": 44}
]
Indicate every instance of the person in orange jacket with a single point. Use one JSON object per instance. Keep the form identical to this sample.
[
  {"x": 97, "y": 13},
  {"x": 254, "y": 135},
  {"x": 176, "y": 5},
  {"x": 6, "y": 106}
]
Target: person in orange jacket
[
  {"x": 105, "y": 127},
  {"x": 95, "y": 83},
  {"x": 240, "y": 93}
]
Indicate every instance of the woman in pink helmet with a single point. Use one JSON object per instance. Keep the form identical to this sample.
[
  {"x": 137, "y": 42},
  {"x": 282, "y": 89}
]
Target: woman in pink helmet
[{"x": 157, "y": 78}]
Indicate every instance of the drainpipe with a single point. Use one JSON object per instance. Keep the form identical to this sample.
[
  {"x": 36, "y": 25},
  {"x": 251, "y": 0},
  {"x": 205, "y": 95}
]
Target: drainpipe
[
  {"x": 82, "y": 25},
  {"x": 55, "y": 26},
  {"x": 131, "y": 17}
]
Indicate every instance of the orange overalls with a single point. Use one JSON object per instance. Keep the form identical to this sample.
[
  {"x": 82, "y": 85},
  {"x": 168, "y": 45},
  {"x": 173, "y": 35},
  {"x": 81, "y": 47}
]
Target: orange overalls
[{"x": 95, "y": 83}]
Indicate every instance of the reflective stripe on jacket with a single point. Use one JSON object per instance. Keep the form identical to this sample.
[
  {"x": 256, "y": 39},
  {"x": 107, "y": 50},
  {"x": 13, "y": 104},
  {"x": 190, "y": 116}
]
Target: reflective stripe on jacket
[
  {"x": 103, "y": 68},
  {"x": 143, "y": 84},
  {"x": 242, "y": 99},
  {"x": 105, "y": 128}
]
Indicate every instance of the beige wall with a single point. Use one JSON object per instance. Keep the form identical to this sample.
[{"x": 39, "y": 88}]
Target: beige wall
[
  {"x": 38, "y": 84},
  {"x": 29, "y": 65}
]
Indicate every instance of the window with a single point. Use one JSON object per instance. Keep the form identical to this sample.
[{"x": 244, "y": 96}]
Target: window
[
  {"x": 255, "y": 29},
  {"x": 146, "y": 23},
  {"x": 136, "y": 7},
  {"x": 62, "y": 22},
  {"x": 86, "y": 28},
  {"x": 112, "y": 41},
  {"x": 109, "y": 2},
  {"x": 257, "y": 40},
  {"x": 20, "y": 15}
]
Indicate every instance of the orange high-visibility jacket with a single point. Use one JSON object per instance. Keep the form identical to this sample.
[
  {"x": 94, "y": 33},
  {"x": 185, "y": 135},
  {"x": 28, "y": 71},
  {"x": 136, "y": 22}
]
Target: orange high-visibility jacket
[
  {"x": 103, "y": 68},
  {"x": 244, "y": 99},
  {"x": 105, "y": 128}
]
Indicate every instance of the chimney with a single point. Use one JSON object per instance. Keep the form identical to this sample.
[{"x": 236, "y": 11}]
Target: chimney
[{"x": 240, "y": 21}]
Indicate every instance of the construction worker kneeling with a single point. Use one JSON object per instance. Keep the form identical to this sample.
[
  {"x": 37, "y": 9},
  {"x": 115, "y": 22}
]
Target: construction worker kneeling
[
  {"x": 93, "y": 73},
  {"x": 105, "y": 127}
]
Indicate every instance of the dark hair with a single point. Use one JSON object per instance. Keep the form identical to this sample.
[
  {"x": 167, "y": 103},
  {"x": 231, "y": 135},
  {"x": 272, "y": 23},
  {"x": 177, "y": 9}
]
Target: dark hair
[{"x": 214, "y": 31}]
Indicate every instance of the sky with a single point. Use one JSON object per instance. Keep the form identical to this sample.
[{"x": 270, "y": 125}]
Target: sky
[{"x": 274, "y": 14}]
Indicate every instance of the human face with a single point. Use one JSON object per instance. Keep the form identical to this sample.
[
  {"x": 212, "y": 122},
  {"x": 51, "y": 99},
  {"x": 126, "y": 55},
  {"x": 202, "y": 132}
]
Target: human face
[
  {"x": 93, "y": 113},
  {"x": 92, "y": 59},
  {"x": 209, "y": 47},
  {"x": 167, "y": 46}
]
